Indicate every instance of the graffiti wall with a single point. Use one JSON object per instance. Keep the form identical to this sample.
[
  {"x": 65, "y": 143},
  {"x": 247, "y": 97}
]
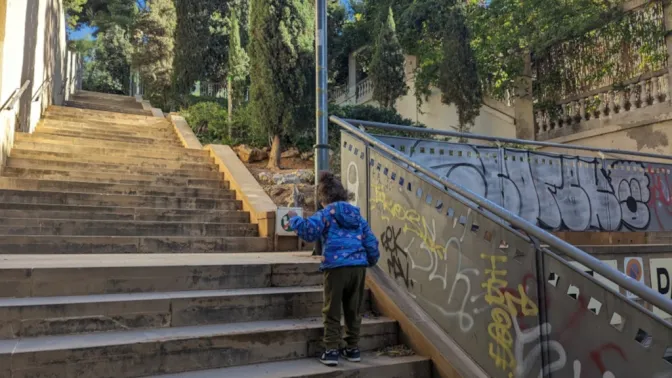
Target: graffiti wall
[
  {"x": 557, "y": 192},
  {"x": 478, "y": 280}
]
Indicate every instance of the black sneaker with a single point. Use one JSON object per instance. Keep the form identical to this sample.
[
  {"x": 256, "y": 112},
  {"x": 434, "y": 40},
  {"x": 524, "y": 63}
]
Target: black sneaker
[
  {"x": 330, "y": 357},
  {"x": 352, "y": 355}
]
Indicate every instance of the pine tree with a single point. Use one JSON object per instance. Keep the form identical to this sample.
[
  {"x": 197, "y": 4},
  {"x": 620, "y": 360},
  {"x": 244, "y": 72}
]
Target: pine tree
[
  {"x": 154, "y": 54},
  {"x": 281, "y": 55},
  {"x": 387, "y": 65},
  {"x": 238, "y": 70}
]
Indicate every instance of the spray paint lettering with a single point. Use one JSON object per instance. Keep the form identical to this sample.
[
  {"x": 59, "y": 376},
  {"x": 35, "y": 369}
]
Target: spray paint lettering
[
  {"x": 557, "y": 192},
  {"x": 397, "y": 261}
]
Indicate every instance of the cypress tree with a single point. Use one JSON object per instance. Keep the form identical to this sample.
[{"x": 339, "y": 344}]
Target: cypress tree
[
  {"x": 154, "y": 53},
  {"x": 238, "y": 70},
  {"x": 281, "y": 49},
  {"x": 387, "y": 65}
]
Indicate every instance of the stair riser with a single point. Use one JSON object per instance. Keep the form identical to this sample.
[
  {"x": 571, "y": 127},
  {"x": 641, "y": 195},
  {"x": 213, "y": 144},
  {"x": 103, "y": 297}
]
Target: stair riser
[
  {"x": 129, "y": 244},
  {"x": 140, "y": 131},
  {"x": 171, "y": 356},
  {"x": 66, "y": 140},
  {"x": 111, "y": 161},
  {"x": 18, "y": 210},
  {"x": 111, "y": 168},
  {"x": 85, "y": 187},
  {"x": 7, "y": 216},
  {"x": 104, "y": 114},
  {"x": 158, "y": 124},
  {"x": 192, "y": 156},
  {"x": 112, "y": 137},
  {"x": 85, "y": 199},
  {"x": 123, "y": 103},
  {"x": 114, "y": 178},
  {"x": 98, "y": 228},
  {"x": 107, "y": 134},
  {"x": 74, "y": 318},
  {"x": 40, "y": 282},
  {"x": 109, "y": 108}
]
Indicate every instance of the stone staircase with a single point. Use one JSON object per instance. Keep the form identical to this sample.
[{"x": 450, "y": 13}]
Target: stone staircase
[{"x": 124, "y": 254}]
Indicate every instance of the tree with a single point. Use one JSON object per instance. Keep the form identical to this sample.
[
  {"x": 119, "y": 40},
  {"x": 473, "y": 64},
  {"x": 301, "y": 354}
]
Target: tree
[
  {"x": 154, "y": 50},
  {"x": 387, "y": 65},
  {"x": 108, "y": 67},
  {"x": 72, "y": 10},
  {"x": 435, "y": 31},
  {"x": 281, "y": 55},
  {"x": 238, "y": 67}
]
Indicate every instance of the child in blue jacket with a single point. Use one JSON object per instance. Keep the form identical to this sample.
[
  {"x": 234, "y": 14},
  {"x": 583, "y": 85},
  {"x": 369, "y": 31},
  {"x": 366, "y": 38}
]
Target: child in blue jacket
[{"x": 348, "y": 248}]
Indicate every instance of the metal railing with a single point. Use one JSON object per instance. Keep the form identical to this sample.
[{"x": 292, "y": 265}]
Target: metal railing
[
  {"x": 39, "y": 92},
  {"x": 15, "y": 97},
  {"x": 533, "y": 313},
  {"x": 543, "y": 236}
]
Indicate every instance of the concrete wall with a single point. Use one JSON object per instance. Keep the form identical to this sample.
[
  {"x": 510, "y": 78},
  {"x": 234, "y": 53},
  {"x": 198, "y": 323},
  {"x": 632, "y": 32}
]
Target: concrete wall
[{"x": 32, "y": 47}]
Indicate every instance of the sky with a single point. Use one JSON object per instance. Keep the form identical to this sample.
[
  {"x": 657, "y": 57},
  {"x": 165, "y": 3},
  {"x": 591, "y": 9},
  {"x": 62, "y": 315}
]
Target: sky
[{"x": 86, "y": 31}]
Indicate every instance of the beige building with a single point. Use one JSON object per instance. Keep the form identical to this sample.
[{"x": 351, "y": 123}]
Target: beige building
[{"x": 36, "y": 68}]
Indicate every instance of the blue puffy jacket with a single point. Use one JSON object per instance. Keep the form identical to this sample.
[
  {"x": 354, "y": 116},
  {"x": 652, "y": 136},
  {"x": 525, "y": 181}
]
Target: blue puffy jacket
[{"x": 347, "y": 239}]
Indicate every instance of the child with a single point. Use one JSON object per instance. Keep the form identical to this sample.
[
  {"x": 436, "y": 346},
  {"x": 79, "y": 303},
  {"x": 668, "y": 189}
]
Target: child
[{"x": 348, "y": 247}]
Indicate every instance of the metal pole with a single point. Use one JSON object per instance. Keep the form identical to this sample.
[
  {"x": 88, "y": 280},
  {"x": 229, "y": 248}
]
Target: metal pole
[
  {"x": 559, "y": 245},
  {"x": 321, "y": 111}
]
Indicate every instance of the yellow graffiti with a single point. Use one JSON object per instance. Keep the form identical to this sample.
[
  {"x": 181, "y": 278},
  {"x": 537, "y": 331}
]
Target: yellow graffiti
[
  {"x": 500, "y": 331},
  {"x": 414, "y": 223},
  {"x": 505, "y": 306},
  {"x": 497, "y": 294}
]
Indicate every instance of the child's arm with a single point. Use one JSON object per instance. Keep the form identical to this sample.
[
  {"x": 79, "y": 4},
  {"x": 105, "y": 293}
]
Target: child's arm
[
  {"x": 309, "y": 229},
  {"x": 370, "y": 245}
]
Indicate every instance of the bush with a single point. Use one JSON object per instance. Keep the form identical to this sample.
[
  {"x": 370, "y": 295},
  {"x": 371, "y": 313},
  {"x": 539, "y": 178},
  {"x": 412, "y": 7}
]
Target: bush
[
  {"x": 242, "y": 130},
  {"x": 208, "y": 120}
]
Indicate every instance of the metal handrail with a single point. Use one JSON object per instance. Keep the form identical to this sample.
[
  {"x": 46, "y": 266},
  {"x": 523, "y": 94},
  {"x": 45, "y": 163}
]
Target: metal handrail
[
  {"x": 38, "y": 92},
  {"x": 16, "y": 95},
  {"x": 545, "y": 237},
  {"x": 388, "y": 126}
]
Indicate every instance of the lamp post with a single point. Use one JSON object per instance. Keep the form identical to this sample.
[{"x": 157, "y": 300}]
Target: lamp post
[{"x": 321, "y": 111}]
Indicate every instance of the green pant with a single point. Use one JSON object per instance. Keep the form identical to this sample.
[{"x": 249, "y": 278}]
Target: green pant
[{"x": 343, "y": 286}]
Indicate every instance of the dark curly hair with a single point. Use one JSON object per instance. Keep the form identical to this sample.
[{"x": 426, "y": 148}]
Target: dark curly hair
[{"x": 330, "y": 189}]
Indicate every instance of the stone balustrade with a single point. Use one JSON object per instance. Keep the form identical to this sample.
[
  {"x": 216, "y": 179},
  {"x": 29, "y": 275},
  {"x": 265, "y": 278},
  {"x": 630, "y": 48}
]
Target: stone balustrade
[{"x": 601, "y": 104}]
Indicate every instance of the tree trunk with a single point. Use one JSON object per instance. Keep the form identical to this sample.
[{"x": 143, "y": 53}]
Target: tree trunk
[
  {"x": 229, "y": 94},
  {"x": 274, "y": 156}
]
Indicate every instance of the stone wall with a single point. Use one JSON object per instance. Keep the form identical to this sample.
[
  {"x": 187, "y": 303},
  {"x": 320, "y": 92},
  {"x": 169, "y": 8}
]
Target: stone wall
[{"x": 32, "y": 48}]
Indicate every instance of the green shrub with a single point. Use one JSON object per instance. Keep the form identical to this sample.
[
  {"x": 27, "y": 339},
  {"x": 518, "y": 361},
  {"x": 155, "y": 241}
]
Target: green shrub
[{"x": 208, "y": 120}]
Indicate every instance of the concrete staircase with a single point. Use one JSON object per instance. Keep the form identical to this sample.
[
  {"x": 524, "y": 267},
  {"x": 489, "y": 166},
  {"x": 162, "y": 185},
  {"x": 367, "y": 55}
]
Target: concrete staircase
[{"x": 126, "y": 255}]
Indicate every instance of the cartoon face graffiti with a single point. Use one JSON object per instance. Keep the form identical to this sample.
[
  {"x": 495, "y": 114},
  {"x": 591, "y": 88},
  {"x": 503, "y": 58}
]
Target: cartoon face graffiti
[{"x": 631, "y": 186}]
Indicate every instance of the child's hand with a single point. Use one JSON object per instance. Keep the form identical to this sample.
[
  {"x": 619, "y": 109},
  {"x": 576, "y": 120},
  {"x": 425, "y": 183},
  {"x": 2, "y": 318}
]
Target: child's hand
[{"x": 292, "y": 214}]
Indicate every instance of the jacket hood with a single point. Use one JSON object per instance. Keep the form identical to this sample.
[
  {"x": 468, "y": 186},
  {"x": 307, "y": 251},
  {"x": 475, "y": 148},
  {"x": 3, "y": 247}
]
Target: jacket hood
[{"x": 347, "y": 215}]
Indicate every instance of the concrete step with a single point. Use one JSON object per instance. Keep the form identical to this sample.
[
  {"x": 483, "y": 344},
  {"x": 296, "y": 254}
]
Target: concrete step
[
  {"x": 186, "y": 155},
  {"x": 90, "y": 199},
  {"x": 105, "y": 96},
  {"x": 93, "y": 113},
  {"x": 77, "y": 157},
  {"x": 112, "y": 168},
  {"x": 101, "y": 121},
  {"x": 85, "y": 227},
  {"x": 41, "y": 275},
  {"x": 173, "y": 350},
  {"x": 106, "y": 107},
  {"x": 163, "y": 132},
  {"x": 66, "y": 140},
  {"x": 372, "y": 366},
  {"x": 112, "y": 177},
  {"x": 18, "y": 210},
  {"x": 108, "y": 136},
  {"x": 103, "y": 188},
  {"x": 49, "y": 244},
  {"x": 42, "y": 316},
  {"x": 130, "y": 102}
]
